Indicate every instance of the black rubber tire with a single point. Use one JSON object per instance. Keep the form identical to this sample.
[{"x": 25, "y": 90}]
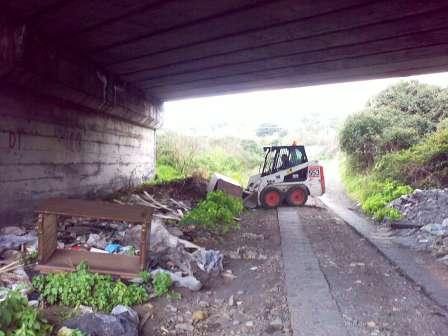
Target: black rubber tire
[
  {"x": 267, "y": 203},
  {"x": 291, "y": 196}
]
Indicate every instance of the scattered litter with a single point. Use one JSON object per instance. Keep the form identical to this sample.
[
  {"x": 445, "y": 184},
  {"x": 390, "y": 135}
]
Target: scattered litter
[
  {"x": 436, "y": 229},
  {"x": 229, "y": 275},
  {"x": 122, "y": 322},
  {"x": 189, "y": 281},
  {"x": 209, "y": 261},
  {"x": 113, "y": 248},
  {"x": 254, "y": 268},
  {"x": 12, "y": 241},
  {"x": 12, "y": 230},
  {"x": 97, "y": 241}
]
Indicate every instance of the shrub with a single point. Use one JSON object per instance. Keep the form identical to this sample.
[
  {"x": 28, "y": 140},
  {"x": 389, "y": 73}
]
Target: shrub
[
  {"x": 85, "y": 288},
  {"x": 216, "y": 213},
  {"x": 423, "y": 165},
  {"x": 19, "y": 319},
  {"x": 396, "y": 119},
  {"x": 373, "y": 193}
]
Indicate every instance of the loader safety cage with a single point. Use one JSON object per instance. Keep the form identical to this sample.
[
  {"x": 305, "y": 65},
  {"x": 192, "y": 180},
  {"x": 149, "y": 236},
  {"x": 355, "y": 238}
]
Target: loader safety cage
[{"x": 273, "y": 159}]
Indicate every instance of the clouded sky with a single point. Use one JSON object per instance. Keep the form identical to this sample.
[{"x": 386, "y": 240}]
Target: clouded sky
[{"x": 278, "y": 106}]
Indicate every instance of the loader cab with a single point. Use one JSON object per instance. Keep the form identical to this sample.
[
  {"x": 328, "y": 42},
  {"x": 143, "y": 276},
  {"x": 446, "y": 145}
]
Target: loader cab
[{"x": 274, "y": 161}]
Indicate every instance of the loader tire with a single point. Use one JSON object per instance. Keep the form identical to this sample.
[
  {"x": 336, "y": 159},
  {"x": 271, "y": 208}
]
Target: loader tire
[
  {"x": 271, "y": 198},
  {"x": 296, "y": 196}
]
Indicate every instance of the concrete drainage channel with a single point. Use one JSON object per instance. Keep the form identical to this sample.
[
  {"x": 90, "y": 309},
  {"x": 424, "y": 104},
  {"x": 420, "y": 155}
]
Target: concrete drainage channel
[
  {"x": 312, "y": 307},
  {"x": 419, "y": 267}
]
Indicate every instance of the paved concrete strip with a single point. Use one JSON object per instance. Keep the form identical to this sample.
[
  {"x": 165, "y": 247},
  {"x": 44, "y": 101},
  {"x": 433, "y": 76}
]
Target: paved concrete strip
[
  {"x": 313, "y": 310},
  {"x": 420, "y": 267}
]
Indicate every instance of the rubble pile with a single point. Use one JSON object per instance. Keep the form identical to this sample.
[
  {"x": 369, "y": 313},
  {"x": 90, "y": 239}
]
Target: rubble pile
[
  {"x": 423, "y": 207},
  {"x": 424, "y": 221}
]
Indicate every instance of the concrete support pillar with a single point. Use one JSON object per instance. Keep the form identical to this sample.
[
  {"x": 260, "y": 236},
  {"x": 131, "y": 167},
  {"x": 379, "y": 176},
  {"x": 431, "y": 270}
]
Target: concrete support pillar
[{"x": 67, "y": 128}]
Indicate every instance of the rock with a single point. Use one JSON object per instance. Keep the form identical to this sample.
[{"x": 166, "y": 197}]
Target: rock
[
  {"x": 436, "y": 229},
  {"x": 231, "y": 301},
  {"x": 11, "y": 255},
  {"x": 276, "y": 324},
  {"x": 64, "y": 331},
  {"x": 171, "y": 308},
  {"x": 203, "y": 304},
  {"x": 371, "y": 324},
  {"x": 184, "y": 327},
  {"x": 98, "y": 324},
  {"x": 219, "y": 301},
  {"x": 12, "y": 230},
  {"x": 11, "y": 241},
  {"x": 199, "y": 315},
  {"x": 249, "y": 324},
  {"x": 121, "y": 309}
]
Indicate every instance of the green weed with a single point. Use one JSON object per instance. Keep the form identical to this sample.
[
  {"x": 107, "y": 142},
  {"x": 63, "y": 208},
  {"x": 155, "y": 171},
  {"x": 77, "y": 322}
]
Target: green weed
[
  {"x": 19, "y": 319},
  {"x": 216, "y": 213},
  {"x": 85, "y": 288},
  {"x": 373, "y": 193}
]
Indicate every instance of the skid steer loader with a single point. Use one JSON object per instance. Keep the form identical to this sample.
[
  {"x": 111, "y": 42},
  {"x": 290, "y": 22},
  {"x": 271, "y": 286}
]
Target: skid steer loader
[{"x": 286, "y": 176}]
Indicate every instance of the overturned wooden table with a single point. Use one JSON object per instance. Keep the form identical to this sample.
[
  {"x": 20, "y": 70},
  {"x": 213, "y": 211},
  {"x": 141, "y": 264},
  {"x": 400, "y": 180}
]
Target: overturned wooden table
[{"x": 52, "y": 259}]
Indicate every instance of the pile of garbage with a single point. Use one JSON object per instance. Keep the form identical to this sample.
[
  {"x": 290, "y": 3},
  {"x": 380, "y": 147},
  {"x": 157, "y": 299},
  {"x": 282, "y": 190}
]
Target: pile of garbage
[
  {"x": 188, "y": 264},
  {"x": 424, "y": 220}
]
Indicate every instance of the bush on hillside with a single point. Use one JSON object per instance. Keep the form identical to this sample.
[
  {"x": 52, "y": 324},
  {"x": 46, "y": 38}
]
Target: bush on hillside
[
  {"x": 396, "y": 119},
  {"x": 422, "y": 165}
]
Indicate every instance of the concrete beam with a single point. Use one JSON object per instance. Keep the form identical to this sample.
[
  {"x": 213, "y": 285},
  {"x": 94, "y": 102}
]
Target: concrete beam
[{"x": 30, "y": 62}]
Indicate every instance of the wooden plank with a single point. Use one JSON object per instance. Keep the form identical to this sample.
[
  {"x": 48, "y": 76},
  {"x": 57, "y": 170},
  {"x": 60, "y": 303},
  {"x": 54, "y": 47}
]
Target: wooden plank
[
  {"x": 47, "y": 243},
  {"x": 95, "y": 209},
  {"x": 114, "y": 264},
  {"x": 144, "y": 246}
]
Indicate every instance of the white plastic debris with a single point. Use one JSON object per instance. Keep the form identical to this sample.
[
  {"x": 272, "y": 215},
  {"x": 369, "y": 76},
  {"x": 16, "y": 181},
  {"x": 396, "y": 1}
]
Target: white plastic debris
[
  {"x": 209, "y": 261},
  {"x": 189, "y": 281},
  {"x": 436, "y": 229}
]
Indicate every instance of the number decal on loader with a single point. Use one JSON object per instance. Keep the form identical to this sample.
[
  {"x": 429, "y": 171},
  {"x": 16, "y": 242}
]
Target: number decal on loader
[{"x": 313, "y": 172}]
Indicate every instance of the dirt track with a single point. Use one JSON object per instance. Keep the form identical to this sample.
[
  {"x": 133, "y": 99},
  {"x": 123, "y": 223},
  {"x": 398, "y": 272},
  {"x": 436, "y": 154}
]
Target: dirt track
[
  {"x": 371, "y": 294},
  {"x": 259, "y": 303}
]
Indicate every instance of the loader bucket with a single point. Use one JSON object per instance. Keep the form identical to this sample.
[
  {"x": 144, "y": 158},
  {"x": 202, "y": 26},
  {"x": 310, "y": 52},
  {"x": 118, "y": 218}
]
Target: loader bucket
[
  {"x": 225, "y": 184},
  {"x": 251, "y": 201}
]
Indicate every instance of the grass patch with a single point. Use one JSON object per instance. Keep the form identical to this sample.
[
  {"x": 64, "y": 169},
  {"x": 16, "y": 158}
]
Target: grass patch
[
  {"x": 165, "y": 173},
  {"x": 83, "y": 287},
  {"x": 216, "y": 213},
  {"x": 373, "y": 193}
]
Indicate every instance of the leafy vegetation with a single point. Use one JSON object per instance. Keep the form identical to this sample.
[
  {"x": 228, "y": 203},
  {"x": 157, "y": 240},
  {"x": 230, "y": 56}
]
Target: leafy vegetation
[
  {"x": 399, "y": 142},
  {"x": 83, "y": 287},
  {"x": 216, "y": 213},
  {"x": 19, "y": 319},
  {"x": 396, "y": 119},
  {"x": 179, "y": 156},
  {"x": 162, "y": 283},
  {"x": 422, "y": 165},
  {"x": 374, "y": 193}
]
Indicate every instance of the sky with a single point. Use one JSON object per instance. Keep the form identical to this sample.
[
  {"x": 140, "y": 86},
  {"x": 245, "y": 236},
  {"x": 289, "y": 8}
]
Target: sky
[{"x": 202, "y": 115}]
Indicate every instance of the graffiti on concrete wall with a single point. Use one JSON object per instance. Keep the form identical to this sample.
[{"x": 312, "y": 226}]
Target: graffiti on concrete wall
[{"x": 15, "y": 140}]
